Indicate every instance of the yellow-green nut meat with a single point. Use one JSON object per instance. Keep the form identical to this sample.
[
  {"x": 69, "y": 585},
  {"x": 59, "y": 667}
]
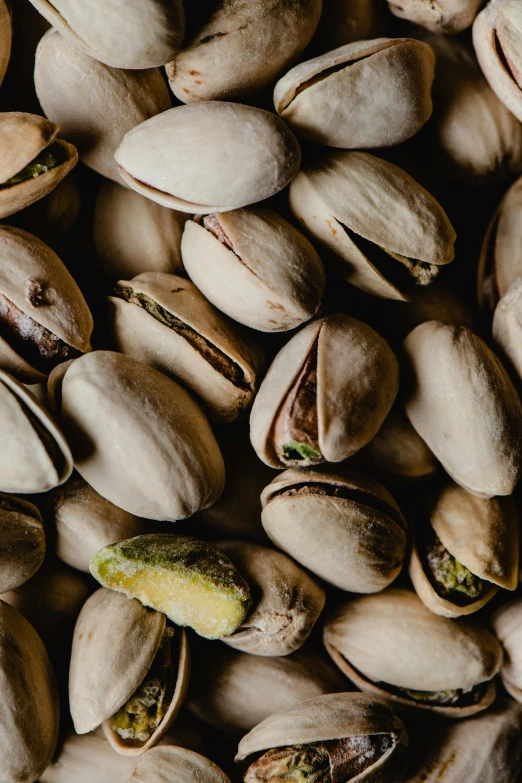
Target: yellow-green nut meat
[
  {"x": 6, "y": 34},
  {"x": 209, "y": 157},
  {"x": 507, "y": 624},
  {"x": 22, "y": 541},
  {"x": 33, "y": 160},
  {"x": 191, "y": 581},
  {"x": 325, "y": 395},
  {"x": 366, "y": 94},
  {"x": 444, "y": 16},
  {"x": 138, "y": 438},
  {"x": 175, "y": 763}
]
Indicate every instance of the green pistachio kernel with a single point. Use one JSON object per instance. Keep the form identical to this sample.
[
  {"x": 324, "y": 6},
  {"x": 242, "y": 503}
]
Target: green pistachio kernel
[
  {"x": 49, "y": 158},
  {"x": 451, "y": 576},
  {"x": 300, "y": 451}
]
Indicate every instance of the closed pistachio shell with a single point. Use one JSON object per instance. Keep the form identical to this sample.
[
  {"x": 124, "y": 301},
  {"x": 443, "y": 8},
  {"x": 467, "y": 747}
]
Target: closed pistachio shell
[
  {"x": 164, "y": 321},
  {"x": 84, "y": 757},
  {"x": 208, "y": 157},
  {"x": 445, "y": 16},
  {"x": 6, "y": 33},
  {"x": 507, "y": 325},
  {"x": 507, "y": 624},
  {"x": 22, "y": 541},
  {"x": 365, "y": 94},
  {"x": 345, "y": 21},
  {"x": 354, "y": 375},
  {"x": 94, "y": 104},
  {"x": 351, "y": 532},
  {"x": 391, "y": 645},
  {"x": 383, "y": 230},
  {"x": 240, "y": 48},
  {"x": 138, "y": 438},
  {"x": 162, "y": 765},
  {"x": 30, "y": 713},
  {"x": 462, "y": 403},
  {"x": 140, "y": 34},
  {"x": 255, "y": 267}
]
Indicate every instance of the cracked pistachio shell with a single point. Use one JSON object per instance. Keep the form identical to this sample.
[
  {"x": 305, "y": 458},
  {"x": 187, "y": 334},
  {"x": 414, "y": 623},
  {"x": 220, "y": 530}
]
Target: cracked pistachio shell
[
  {"x": 138, "y": 438},
  {"x": 22, "y": 138},
  {"x": 30, "y": 710},
  {"x": 507, "y": 624},
  {"x": 443, "y": 16},
  {"x": 287, "y": 601},
  {"x": 208, "y": 157},
  {"x": 133, "y": 234},
  {"x": 481, "y": 533},
  {"x": 44, "y": 315},
  {"x": 6, "y": 34},
  {"x": 381, "y": 227},
  {"x": 241, "y": 48},
  {"x": 94, "y": 104},
  {"x": 497, "y": 38},
  {"x": 461, "y": 401},
  {"x": 392, "y": 639},
  {"x": 255, "y": 267},
  {"x": 357, "y": 382},
  {"x": 351, "y": 531},
  {"x": 184, "y": 337},
  {"x": 345, "y": 21},
  {"x": 22, "y": 541},
  {"x": 234, "y": 691},
  {"x": 138, "y": 34},
  {"x": 365, "y": 94},
  {"x": 507, "y": 325},
  {"x": 83, "y": 758},
  {"x": 166, "y": 764}
]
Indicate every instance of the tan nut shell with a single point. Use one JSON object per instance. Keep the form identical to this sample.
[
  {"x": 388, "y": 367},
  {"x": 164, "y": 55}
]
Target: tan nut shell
[
  {"x": 139, "y": 34},
  {"x": 29, "y": 718},
  {"x": 462, "y": 403},
  {"x": 378, "y": 201},
  {"x": 345, "y": 21},
  {"x": 357, "y": 382},
  {"x": 273, "y": 280},
  {"x": 84, "y": 757},
  {"x": 392, "y": 638},
  {"x": 212, "y": 156},
  {"x": 136, "y": 333},
  {"x": 6, "y": 33},
  {"x": 242, "y": 47},
  {"x": 287, "y": 602},
  {"x": 507, "y": 331},
  {"x": 443, "y": 16},
  {"x": 380, "y": 98},
  {"x": 507, "y": 624},
  {"x": 356, "y": 543},
  {"x": 165, "y": 764},
  {"x": 22, "y": 542},
  {"x": 94, "y": 104},
  {"x": 23, "y": 258}
]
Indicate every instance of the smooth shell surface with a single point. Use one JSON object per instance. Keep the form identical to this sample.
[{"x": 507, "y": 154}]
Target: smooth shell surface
[
  {"x": 168, "y": 764},
  {"x": 444, "y": 16},
  {"x": 507, "y": 624},
  {"x": 83, "y": 756},
  {"x": 6, "y": 33},
  {"x": 22, "y": 541}
]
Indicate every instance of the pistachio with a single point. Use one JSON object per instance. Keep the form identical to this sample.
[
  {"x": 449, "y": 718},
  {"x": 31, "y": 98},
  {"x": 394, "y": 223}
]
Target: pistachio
[
  {"x": 325, "y": 395},
  {"x": 22, "y": 541},
  {"x": 434, "y": 303},
  {"x": 191, "y": 581},
  {"x": 137, "y": 437},
  {"x": 345, "y": 21},
  {"x": 163, "y": 764},
  {"x": 165, "y": 322},
  {"x": 462, "y": 403},
  {"x": 391, "y": 645},
  {"x": 87, "y": 757},
  {"x": 370, "y": 214},
  {"x": 209, "y": 157},
  {"x": 6, "y": 33},
  {"x": 129, "y": 672},
  {"x": 240, "y": 48},
  {"x": 351, "y": 531},
  {"x": 506, "y": 325},
  {"x": 141, "y": 34},
  {"x": 507, "y": 624},
  {"x": 255, "y": 267},
  {"x": 443, "y": 16},
  {"x": 75, "y": 91},
  {"x": 464, "y": 551},
  {"x": 33, "y": 160},
  {"x": 54, "y": 218}
]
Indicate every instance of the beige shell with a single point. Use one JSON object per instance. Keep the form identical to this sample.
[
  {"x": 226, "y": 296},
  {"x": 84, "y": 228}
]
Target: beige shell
[
  {"x": 392, "y": 639},
  {"x": 165, "y": 764},
  {"x": 255, "y": 267},
  {"x": 6, "y": 33},
  {"x": 357, "y": 382},
  {"x": 507, "y": 325},
  {"x": 507, "y": 624},
  {"x": 37, "y": 282},
  {"x": 94, "y": 104},
  {"x": 365, "y": 94},
  {"x": 29, "y": 719},
  {"x": 287, "y": 602},
  {"x": 462, "y": 403},
  {"x": 212, "y": 156},
  {"x": 133, "y": 234},
  {"x": 84, "y": 757},
  {"x": 345, "y": 21},
  {"x": 54, "y": 218},
  {"x": 241, "y": 47},
  {"x": 208, "y": 354},
  {"x": 481, "y": 533},
  {"x": 444, "y": 16},
  {"x": 22, "y": 541},
  {"x": 372, "y": 216},
  {"x": 344, "y": 527},
  {"x": 138, "y": 438},
  {"x": 140, "y": 34},
  {"x": 22, "y": 138}
]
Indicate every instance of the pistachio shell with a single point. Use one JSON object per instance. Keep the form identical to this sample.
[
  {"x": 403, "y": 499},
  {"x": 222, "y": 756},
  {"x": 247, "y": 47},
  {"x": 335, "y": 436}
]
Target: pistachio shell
[
  {"x": 162, "y": 765},
  {"x": 351, "y": 532},
  {"x": 138, "y": 438},
  {"x": 507, "y": 624},
  {"x": 22, "y": 542},
  {"x": 209, "y": 157},
  {"x": 462, "y": 403},
  {"x": 75, "y": 90},
  {"x": 444, "y": 16},
  {"x": 435, "y": 303},
  {"x": 255, "y": 267},
  {"x": 6, "y": 33},
  {"x": 345, "y": 21},
  {"x": 53, "y": 218},
  {"x": 507, "y": 325},
  {"x": 84, "y": 757}
]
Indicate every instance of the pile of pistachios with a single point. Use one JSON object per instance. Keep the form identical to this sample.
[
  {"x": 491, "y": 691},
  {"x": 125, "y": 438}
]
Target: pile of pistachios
[{"x": 260, "y": 391}]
